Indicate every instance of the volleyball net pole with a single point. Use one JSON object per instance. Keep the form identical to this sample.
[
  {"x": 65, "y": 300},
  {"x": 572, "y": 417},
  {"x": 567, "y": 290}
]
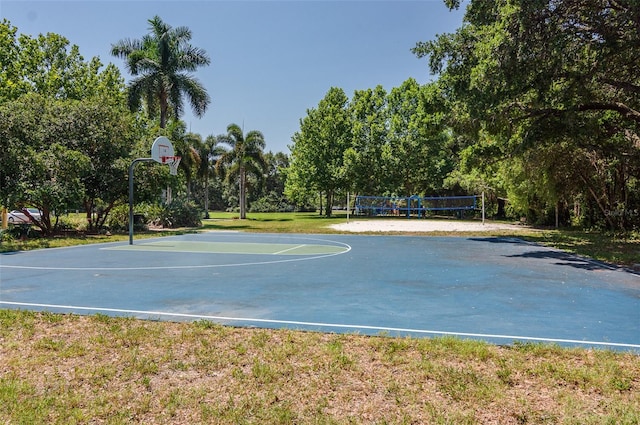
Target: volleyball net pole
[{"x": 483, "y": 207}]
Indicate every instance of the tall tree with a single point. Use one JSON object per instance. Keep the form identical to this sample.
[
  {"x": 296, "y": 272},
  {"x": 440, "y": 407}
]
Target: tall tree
[
  {"x": 162, "y": 62},
  {"x": 276, "y": 163},
  {"x": 50, "y": 66},
  {"x": 245, "y": 157},
  {"x": 317, "y": 153},
  {"x": 209, "y": 152},
  {"x": 368, "y": 159},
  {"x": 64, "y": 131},
  {"x": 70, "y": 153},
  {"x": 187, "y": 147},
  {"x": 538, "y": 74},
  {"x": 420, "y": 138}
]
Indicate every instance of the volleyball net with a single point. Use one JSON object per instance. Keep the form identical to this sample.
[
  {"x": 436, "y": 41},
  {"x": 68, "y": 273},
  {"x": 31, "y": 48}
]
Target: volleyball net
[{"x": 415, "y": 206}]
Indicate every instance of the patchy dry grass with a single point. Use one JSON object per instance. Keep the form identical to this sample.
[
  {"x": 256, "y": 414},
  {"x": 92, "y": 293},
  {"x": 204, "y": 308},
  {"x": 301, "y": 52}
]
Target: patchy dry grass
[
  {"x": 65, "y": 369},
  {"x": 614, "y": 248}
]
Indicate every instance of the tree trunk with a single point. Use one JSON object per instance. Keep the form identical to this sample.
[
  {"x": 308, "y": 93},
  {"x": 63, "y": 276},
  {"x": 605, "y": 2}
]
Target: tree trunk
[
  {"x": 501, "y": 208},
  {"x": 88, "y": 208},
  {"x": 206, "y": 198},
  {"x": 329, "y": 206},
  {"x": 604, "y": 211},
  {"x": 243, "y": 213}
]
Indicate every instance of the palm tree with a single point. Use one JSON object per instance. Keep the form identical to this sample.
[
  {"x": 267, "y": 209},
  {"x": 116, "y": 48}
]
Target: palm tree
[
  {"x": 209, "y": 152},
  {"x": 244, "y": 157},
  {"x": 188, "y": 147},
  {"x": 161, "y": 62}
]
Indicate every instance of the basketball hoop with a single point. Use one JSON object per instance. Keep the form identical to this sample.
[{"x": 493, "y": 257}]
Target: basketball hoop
[{"x": 172, "y": 162}]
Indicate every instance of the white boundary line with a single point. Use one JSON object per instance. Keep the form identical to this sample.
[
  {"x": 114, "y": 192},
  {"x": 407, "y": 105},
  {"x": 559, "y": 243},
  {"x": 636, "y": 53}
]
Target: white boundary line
[
  {"x": 288, "y": 249},
  {"x": 327, "y": 325},
  {"x": 346, "y": 247},
  {"x": 194, "y": 266}
]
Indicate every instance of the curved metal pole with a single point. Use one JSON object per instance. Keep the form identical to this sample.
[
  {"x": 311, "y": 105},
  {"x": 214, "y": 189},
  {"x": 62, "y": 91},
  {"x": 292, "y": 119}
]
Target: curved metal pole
[{"x": 131, "y": 195}]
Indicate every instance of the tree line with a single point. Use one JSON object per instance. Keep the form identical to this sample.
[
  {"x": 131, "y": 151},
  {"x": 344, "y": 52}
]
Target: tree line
[
  {"x": 533, "y": 103},
  {"x": 536, "y": 103},
  {"x": 544, "y": 99},
  {"x": 375, "y": 143},
  {"x": 69, "y": 129}
]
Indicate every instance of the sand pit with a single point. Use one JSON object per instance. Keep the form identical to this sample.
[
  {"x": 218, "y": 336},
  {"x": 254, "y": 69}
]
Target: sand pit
[{"x": 421, "y": 225}]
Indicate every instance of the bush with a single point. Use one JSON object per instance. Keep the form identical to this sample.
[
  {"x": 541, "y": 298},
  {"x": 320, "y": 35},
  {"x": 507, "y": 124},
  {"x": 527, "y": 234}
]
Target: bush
[
  {"x": 180, "y": 214},
  {"x": 176, "y": 214},
  {"x": 152, "y": 213},
  {"x": 69, "y": 223},
  {"x": 20, "y": 231},
  {"x": 271, "y": 203},
  {"x": 118, "y": 220},
  {"x": 6, "y": 236}
]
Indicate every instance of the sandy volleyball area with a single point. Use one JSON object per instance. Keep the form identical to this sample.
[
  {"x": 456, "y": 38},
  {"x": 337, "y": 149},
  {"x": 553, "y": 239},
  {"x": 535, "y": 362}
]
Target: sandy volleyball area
[{"x": 422, "y": 225}]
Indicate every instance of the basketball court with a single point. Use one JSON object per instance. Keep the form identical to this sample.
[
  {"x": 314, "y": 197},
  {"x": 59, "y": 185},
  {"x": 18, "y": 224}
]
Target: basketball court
[{"x": 496, "y": 289}]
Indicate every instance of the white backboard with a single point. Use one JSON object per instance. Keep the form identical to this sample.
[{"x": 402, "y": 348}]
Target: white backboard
[{"x": 162, "y": 150}]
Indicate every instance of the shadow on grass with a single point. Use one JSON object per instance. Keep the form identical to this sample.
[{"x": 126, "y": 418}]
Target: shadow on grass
[
  {"x": 266, "y": 220},
  {"x": 566, "y": 259},
  {"x": 608, "y": 248},
  {"x": 501, "y": 239},
  {"x": 563, "y": 258},
  {"x": 225, "y": 227}
]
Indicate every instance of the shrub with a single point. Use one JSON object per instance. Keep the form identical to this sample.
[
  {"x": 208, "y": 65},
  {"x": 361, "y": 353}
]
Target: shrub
[
  {"x": 118, "y": 220},
  {"x": 6, "y": 236},
  {"x": 144, "y": 214},
  {"x": 20, "y": 231},
  {"x": 180, "y": 214},
  {"x": 271, "y": 203},
  {"x": 176, "y": 214},
  {"x": 152, "y": 213}
]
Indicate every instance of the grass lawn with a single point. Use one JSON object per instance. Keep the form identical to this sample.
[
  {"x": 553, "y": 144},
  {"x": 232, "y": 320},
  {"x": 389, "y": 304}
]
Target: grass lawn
[{"x": 61, "y": 369}]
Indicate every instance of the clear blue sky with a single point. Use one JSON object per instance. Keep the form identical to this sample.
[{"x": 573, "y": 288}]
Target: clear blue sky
[{"x": 270, "y": 60}]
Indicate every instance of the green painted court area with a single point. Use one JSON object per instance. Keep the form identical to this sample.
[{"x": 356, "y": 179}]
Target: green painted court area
[{"x": 232, "y": 248}]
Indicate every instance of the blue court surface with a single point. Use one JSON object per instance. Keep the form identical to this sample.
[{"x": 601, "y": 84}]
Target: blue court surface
[{"x": 497, "y": 289}]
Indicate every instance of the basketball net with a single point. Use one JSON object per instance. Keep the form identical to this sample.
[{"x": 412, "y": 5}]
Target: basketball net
[{"x": 172, "y": 162}]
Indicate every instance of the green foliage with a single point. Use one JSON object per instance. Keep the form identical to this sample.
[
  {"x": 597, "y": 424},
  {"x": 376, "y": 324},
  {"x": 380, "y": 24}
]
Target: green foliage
[
  {"x": 176, "y": 214},
  {"x": 376, "y": 143},
  {"x": 272, "y": 202},
  {"x": 422, "y": 148},
  {"x": 368, "y": 159},
  {"x": 49, "y": 66},
  {"x": 180, "y": 214},
  {"x": 16, "y": 232},
  {"x": 546, "y": 91},
  {"x": 5, "y": 236},
  {"x": 317, "y": 153},
  {"x": 245, "y": 158},
  {"x": 118, "y": 220},
  {"x": 64, "y": 153},
  {"x": 63, "y": 132}
]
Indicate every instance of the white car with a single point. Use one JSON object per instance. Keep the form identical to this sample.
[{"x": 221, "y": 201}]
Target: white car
[{"x": 18, "y": 217}]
